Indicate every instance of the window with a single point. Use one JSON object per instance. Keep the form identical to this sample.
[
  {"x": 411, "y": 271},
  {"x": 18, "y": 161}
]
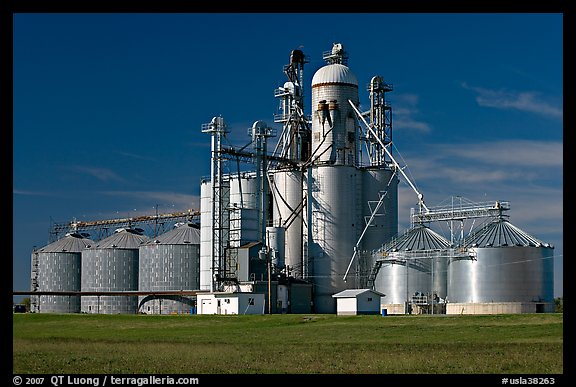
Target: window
[
  {"x": 250, "y": 301},
  {"x": 369, "y": 299}
]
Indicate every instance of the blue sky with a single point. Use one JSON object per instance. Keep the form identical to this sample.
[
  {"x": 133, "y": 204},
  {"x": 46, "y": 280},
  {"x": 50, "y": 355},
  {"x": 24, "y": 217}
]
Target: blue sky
[{"x": 108, "y": 108}]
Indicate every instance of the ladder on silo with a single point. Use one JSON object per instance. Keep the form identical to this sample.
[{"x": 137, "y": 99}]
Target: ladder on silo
[{"x": 34, "y": 285}]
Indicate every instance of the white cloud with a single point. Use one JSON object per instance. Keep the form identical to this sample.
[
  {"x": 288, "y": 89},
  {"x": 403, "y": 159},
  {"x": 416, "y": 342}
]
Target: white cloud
[
  {"x": 99, "y": 173},
  {"x": 508, "y": 152},
  {"x": 528, "y": 101},
  {"x": 31, "y": 193},
  {"x": 405, "y": 112},
  {"x": 177, "y": 200}
]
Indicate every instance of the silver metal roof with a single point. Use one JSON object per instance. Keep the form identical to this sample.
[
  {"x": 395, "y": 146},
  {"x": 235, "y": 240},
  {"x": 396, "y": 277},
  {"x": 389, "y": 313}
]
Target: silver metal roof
[
  {"x": 182, "y": 234},
  {"x": 354, "y": 292},
  {"x": 502, "y": 233},
  {"x": 70, "y": 243},
  {"x": 334, "y": 73},
  {"x": 419, "y": 238},
  {"x": 123, "y": 238}
]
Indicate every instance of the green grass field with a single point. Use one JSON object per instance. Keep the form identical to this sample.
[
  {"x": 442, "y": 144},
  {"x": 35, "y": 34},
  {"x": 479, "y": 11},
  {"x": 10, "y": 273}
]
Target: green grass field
[{"x": 287, "y": 344}]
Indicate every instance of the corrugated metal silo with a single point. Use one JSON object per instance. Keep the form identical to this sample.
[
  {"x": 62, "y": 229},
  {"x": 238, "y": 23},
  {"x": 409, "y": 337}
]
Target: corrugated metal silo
[
  {"x": 58, "y": 269},
  {"x": 112, "y": 265},
  {"x": 511, "y": 266},
  {"x": 170, "y": 262},
  {"x": 403, "y": 274}
]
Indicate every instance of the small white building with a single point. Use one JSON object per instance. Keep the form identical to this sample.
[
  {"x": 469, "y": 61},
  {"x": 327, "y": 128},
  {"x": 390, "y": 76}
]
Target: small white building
[
  {"x": 358, "y": 301},
  {"x": 230, "y": 303}
]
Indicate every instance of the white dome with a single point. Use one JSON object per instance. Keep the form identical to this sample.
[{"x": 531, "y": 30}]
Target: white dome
[{"x": 334, "y": 73}]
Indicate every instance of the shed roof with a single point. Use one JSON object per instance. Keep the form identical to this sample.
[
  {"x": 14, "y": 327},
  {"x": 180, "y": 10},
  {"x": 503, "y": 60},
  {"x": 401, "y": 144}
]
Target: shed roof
[{"x": 349, "y": 293}]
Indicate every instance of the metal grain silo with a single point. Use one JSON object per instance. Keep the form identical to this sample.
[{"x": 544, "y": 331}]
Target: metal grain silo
[
  {"x": 414, "y": 263},
  {"x": 57, "y": 268},
  {"x": 112, "y": 265},
  {"x": 335, "y": 183},
  {"x": 513, "y": 272},
  {"x": 335, "y": 227},
  {"x": 170, "y": 262}
]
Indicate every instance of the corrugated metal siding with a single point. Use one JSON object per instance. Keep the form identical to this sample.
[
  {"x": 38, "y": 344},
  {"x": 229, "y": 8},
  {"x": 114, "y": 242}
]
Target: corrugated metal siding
[{"x": 59, "y": 270}]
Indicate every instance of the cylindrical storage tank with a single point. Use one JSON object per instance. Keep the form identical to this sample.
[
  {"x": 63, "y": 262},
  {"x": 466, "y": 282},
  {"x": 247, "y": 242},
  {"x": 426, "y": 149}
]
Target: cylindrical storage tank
[
  {"x": 334, "y": 123},
  {"x": 206, "y": 235},
  {"x": 414, "y": 263},
  {"x": 288, "y": 212},
  {"x": 112, "y": 265},
  {"x": 275, "y": 240},
  {"x": 246, "y": 221},
  {"x": 170, "y": 262},
  {"x": 510, "y": 266},
  {"x": 377, "y": 182},
  {"x": 57, "y": 268},
  {"x": 208, "y": 228},
  {"x": 335, "y": 228},
  {"x": 399, "y": 283},
  {"x": 244, "y": 191}
]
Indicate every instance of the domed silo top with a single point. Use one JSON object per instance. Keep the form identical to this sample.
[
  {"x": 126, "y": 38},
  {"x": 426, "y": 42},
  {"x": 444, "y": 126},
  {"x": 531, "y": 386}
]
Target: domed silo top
[
  {"x": 334, "y": 74},
  {"x": 70, "y": 243},
  {"x": 123, "y": 238},
  {"x": 502, "y": 233},
  {"x": 181, "y": 234},
  {"x": 420, "y": 238}
]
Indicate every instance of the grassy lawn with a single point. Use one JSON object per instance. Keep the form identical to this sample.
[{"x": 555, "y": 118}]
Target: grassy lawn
[{"x": 287, "y": 344}]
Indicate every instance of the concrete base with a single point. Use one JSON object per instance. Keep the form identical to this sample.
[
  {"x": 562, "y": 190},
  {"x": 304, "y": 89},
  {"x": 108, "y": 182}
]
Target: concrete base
[{"x": 499, "y": 308}]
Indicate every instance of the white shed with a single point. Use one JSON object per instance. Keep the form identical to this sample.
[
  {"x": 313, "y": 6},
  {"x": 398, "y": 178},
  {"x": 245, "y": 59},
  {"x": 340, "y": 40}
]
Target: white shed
[
  {"x": 230, "y": 303},
  {"x": 358, "y": 301}
]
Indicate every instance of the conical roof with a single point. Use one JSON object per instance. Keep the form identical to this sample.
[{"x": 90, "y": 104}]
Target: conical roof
[
  {"x": 419, "y": 237},
  {"x": 181, "y": 234},
  {"x": 123, "y": 238},
  {"x": 70, "y": 243},
  {"x": 501, "y": 233}
]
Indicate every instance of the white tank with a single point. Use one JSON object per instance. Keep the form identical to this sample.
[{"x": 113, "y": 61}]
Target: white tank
[
  {"x": 244, "y": 191},
  {"x": 245, "y": 210},
  {"x": 384, "y": 225},
  {"x": 334, "y": 123},
  {"x": 336, "y": 226},
  {"x": 275, "y": 240},
  {"x": 206, "y": 220},
  {"x": 287, "y": 197}
]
